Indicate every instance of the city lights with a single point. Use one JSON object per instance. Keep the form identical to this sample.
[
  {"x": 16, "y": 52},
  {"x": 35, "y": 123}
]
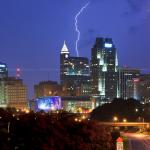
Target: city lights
[
  {"x": 124, "y": 120},
  {"x": 51, "y": 103},
  {"x": 75, "y": 75},
  {"x": 108, "y": 45},
  {"x": 115, "y": 118}
]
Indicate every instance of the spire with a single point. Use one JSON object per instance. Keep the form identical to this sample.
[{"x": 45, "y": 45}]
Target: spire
[{"x": 64, "y": 49}]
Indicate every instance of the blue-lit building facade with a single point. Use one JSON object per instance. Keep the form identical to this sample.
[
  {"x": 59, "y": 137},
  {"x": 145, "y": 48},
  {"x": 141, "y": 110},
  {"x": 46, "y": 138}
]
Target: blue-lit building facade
[
  {"x": 104, "y": 70},
  {"x": 50, "y": 103},
  {"x": 74, "y": 74}
]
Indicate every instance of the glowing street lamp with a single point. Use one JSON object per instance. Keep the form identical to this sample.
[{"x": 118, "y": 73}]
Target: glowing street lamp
[
  {"x": 124, "y": 120},
  {"x": 115, "y": 119},
  {"x": 76, "y": 119},
  {"x": 83, "y": 117}
]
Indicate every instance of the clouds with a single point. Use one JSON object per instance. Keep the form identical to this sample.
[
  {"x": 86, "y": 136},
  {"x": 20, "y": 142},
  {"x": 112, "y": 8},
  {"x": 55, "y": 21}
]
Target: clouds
[
  {"x": 89, "y": 37},
  {"x": 138, "y": 5},
  {"x": 140, "y": 14},
  {"x": 133, "y": 29}
]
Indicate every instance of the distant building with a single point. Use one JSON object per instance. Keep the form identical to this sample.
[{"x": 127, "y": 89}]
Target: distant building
[
  {"x": 128, "y": 82},
  {"x": 133, "y": 89},
  {"x": 78, "y": 104},
  {"x": 47, "y": 88},
  {"x": 74, "y": 74},
  {"x": 144, "y": 88},
  {"x": 3, "y": 70},
  {"x": 104, "y": 68},
  {"x": 13, "y": 93}
]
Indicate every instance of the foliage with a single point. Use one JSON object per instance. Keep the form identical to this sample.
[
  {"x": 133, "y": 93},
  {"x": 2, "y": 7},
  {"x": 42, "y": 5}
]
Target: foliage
[
  {"x": 130, "y": 109},
  {"x": 40, "y": 131}
]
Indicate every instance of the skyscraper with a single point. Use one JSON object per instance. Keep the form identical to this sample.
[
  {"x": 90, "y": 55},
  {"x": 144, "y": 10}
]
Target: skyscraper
[
  {"x": 74, "y": 73},
  {"x": 104, "y": 67},
  {"x": 64, "y": 55},
  {"x": 3, "y": 70}
]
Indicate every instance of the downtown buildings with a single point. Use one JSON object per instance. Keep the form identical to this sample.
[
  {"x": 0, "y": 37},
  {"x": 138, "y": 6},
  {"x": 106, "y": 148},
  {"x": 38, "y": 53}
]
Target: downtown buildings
[
  {"x": 13, "y": 93},
  {"x": 83, "y": 84},
  {"x": 103, "y": 79}
]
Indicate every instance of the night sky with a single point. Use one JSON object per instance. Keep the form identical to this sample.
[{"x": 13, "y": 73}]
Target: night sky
[{"x": 32, "y": 33}]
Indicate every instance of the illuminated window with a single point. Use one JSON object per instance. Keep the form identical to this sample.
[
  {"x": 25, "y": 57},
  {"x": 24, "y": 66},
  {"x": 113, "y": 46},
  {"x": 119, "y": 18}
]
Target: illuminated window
[{"x": 104, "y": 69}]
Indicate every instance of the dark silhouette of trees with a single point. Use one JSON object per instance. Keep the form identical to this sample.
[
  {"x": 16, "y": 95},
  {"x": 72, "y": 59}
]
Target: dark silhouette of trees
[
  {"x": 41, "y": 131},
  {"x": 130, "y": 109}
]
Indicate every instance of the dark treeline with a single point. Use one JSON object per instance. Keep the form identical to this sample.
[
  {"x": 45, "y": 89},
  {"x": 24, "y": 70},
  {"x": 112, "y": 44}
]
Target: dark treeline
[
  {"x": 131, "y": 110},
  {"x": 40, "y": 131}
]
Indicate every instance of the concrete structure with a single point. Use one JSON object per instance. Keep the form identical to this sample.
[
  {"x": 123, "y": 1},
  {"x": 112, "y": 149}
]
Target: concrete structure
[{"x": 126, "y": 124}]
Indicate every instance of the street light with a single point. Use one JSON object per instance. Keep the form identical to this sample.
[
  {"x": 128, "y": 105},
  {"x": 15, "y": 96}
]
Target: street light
[
  {"x": 83, "y": 117},
  {"x": 124, "y": 120},
  {"x": 115, "y": 119},
  {"x": 76, "y": 119}
]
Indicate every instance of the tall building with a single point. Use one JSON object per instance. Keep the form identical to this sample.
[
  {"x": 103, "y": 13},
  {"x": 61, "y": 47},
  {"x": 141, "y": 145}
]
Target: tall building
[
  {"x": 74, "y": 74},
  {"x": 47, "y": 88},
  {"x": 13, "y": 93},
  {"x": 3, "y": 70},
  {"x": 64, "y": 55},
  {"x": 128, "y": 82},
  {"x": 104, "y": 66}
]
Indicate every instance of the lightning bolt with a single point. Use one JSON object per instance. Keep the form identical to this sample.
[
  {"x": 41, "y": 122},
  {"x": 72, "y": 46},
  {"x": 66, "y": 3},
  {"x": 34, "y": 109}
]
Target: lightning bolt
[{"x": 76, "y": 26}]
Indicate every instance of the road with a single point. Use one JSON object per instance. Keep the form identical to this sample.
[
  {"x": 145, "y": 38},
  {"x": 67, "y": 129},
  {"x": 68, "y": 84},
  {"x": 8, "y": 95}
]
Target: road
[{"x": 138, "y": 141}]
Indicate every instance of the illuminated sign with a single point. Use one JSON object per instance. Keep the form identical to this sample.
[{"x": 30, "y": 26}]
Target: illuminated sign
[
  {"x": 49, "y": 103},
  {"x": 108, "y": 45}
]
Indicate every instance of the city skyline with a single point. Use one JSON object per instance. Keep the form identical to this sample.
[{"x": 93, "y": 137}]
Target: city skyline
[
  {"x": 29, "y": 28},
  {"x": 75, "y": 74}
]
